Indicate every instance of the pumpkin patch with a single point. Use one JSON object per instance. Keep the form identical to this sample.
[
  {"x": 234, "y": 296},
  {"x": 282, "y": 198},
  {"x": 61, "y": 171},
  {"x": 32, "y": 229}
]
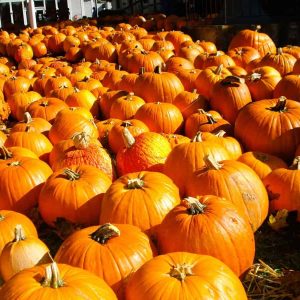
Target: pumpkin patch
[{"x": 139, "y": 163}]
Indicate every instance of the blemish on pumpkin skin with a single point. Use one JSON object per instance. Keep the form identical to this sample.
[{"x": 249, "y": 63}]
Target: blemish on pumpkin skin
[{"x": 248, "y": 197}]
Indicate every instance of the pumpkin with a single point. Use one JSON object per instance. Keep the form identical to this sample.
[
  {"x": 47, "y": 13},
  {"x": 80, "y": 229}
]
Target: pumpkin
[
  {"x": 115, "y": 135},
  {"x": 242, "y": 56},
  {"x": 288, "y": 86},
  {"x": 229, "y": 96},
  {"x": 190, "y": 52},
  {"x": 255, "y": 39},
  {"x": 120, "y": 249},
  {"x": 205, "y": 60},
  {"x": 56, "y": 282},
  {"x": 234, "y": 181},
  {"x": 175, "y": 139},
  {"x": 176, "y": 63},
  {"x": 188, "y": 78},
  {"x": 67, "y": 123},
  {"x": 160, "y": 117},
  {"x": 273, "y": 127},
  {"x": 282, "y": 62},
  {"x": 208, "y": 46},
  {"x": 13, "y": 152},
  {"x": 56, "y": 43},
  {"x": 83, "y": 98},
  {"x": 140, "y": 198},
  {"x": 191, "y": 276},
  {"x": 262, "y": 163},
  {"x": 19, "y": 101},
  {"x": 22, "y": 197},
  {"x": 127, "y": 82},
  {"x": 4, "y": 108},
  {"x": 54, "y": 83},
  {"x": 177, "y": 38},
  {"x": 46, "y": 108},
  {"x": 208, "y": 78},
  {"x": 81, "y": 149},
  {"x": 205, "y": 122},
  {"x": 8, "y": 221},
  {"x": 32, "y": 140},
  {"x": 158, "y": 86},
  {"x": 262, "y": 82},
  {"x": 209, "y": 225},
  {"x": 38, "y": 124},
  {"x": 125, "y": 107},
  {"x": 147, "y": 151},
  {"x": 283, "y": 188},
  {"x": 21, "y": 253},
  {"x": 189, "y": 102},
  {"x": 74, "y": 194},
  {"x": 188, "y": 157},
  {"x": 104, "y": 127}
]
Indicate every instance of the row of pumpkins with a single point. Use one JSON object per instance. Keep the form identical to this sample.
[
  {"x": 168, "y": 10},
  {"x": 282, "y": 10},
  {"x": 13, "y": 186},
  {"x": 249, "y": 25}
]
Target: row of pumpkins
[{"x": 176, "y": 149}]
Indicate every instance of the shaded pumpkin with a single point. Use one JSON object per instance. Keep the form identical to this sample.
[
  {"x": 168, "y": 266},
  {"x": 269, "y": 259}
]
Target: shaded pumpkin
[
  {"x": 288, "y": 86},
  {"x": 98, "y": 248}
]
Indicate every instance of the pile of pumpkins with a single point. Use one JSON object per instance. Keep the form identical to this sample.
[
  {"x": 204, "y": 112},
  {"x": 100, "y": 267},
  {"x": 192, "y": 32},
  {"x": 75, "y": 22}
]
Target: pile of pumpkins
[{"x": 165, "y": 153}]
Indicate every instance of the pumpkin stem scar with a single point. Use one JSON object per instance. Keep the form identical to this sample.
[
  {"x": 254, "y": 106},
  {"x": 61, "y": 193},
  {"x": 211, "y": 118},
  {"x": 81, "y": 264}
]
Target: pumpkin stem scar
[
  {"x": 180, "y": 272},
  {"x": 193, "y": 205}
]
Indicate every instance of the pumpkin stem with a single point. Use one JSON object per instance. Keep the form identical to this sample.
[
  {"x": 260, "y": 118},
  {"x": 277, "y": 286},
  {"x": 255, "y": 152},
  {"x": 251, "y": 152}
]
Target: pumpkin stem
[
  {"x": 81, "y": 140},
  {"x": 219, "y": 69},
  {"x": 231, "y": 80},
  {"x": 44, "y": 103},
  {"x": 126, "y": 124},
  {"x": 19, "y": 233},
  {"x": 52, "y": 277},
  {"x": 211, "y": 163},
  {"x": 279, "y": 51},
  {"x": 296, "y": 164},
  {"x": 128, "y": 138},
  {"x": 5, "y": 153},
  {"x": 104, "y": 233},
  {"x": 2, "y": 218},
  {"x": 27, "y": 117},
  {"x": 129, "y": 96},
  {"x": 257, "y": 27},
  {"x": 280, "y": 105},
  {"x": 197, "y": 137},
  {"x": 29, "y": 128},
  {"x": 220, "y": 133},
  {"x": 141, "y": 70},
  {"x": 76, "y": 89},
  {"x": 254, "y": 77},
  {"x": 135, "y": 183},
  {"x": 193, "y": 205},
  {"x": 157, "y": 69},
  {"x": 71, "y": 175},
  {"x": 180, "y": 272},
  {"x": 14, "y": 163}
]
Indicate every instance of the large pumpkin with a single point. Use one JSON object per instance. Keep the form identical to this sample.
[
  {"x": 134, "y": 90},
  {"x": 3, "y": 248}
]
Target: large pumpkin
[
  {"x": 73, "y": 194},
  {"x": 271, "y": 126},
  {"x": 209, "y": 225},
  {"x": 186, "y": 158},
  {"x": 141, "y": 199},
  {"x": 112, "y": 252},
  {"x": 56, "y": 282},
  {"x": 234, "y": 181},
  {"x": 191, "y": 276},
  {"x": 23, "y": 196}
]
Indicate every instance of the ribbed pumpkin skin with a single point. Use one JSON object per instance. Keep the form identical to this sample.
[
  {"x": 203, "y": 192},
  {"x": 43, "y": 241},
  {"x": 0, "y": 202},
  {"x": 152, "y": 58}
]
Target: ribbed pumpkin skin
[
  {"x": 188, "y": 157},
  {"x": 30, "y": 173},
  {"x": 161, "y": 117},
  {"x": 289, "y": 86},
  {"x": 236, "y": 182},
  {"x": 143, "y": 207},
  {"x": 262, "y": 163},
  {"x": 221, "y": 229},
  {"x": 210, "y": 279},
  {"x": 114, "y": 260},
  {"x": 8, "y": 221},
  {"x": 154, "y": 87},
  {"x": 79, "y": 284},
  {"x": 149, "y": 152},
  {"x": 258, "y": 128},
  {"x": 284, "y": 190},
  {"x": 78, "y": 201}
]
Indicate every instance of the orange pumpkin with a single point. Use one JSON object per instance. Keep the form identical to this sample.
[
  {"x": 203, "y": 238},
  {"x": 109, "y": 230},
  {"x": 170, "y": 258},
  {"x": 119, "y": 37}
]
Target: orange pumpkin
[
  {"x": 121, "y": 248},
  {"x": 141, "y": 198},
  {"x": 192, "y": 276},
  {"x": 197, "y": 225}
]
